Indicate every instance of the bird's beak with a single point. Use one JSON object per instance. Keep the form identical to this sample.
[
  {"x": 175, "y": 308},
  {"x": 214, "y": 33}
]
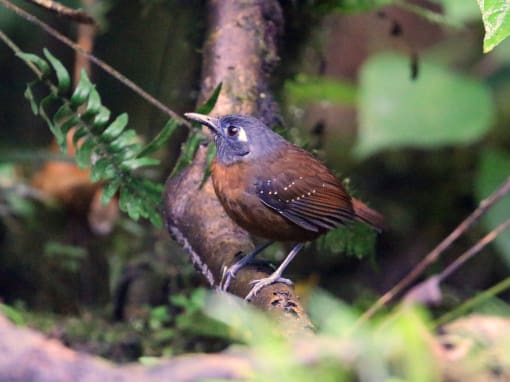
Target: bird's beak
[{"x": 211, "y": 122}]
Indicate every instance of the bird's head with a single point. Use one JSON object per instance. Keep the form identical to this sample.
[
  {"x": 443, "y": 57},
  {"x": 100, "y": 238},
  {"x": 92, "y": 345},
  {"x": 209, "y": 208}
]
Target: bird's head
[{"x": 239, "y": 137}]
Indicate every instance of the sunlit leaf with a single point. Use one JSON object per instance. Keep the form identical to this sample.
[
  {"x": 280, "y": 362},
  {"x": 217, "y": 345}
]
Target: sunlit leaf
[{"x": 496, "y": 20}]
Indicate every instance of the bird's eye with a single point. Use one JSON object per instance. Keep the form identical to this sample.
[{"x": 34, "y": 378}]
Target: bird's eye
[{"x": 232, "y": 131}]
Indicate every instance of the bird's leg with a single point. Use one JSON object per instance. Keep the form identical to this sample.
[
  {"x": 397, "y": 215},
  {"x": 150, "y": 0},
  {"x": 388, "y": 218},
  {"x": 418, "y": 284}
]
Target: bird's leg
[
  {"x": 276, "y": 276},
  {"x": 230, "y": 273}
]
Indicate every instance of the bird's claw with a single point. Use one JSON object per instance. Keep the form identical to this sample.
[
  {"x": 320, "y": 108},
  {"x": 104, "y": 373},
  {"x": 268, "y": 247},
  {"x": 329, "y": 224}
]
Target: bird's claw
[
  {"x": 226, "y": 278},
  {"x": 262, "y": 283}
]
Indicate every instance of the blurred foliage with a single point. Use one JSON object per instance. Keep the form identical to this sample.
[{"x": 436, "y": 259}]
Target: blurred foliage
[
  {"x": 437, "y": 108},
  {"x": 305, "y": 89},
  {"x": 494, "y": 169}
]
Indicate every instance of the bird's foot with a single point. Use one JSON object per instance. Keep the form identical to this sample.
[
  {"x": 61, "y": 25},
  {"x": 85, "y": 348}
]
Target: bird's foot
[
  {"x": 229, "y": 274},
  {"x": 262, "y": 283}
]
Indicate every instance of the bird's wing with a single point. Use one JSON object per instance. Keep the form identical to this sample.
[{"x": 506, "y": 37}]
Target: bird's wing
[{"x": 305, "y": 192}]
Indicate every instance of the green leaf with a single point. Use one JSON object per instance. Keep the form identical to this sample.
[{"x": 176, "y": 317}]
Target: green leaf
[
  {"x": 82, "y": 91},
  {"x": 102, "y": 117},
  {"x": 313, "y": 89},
  {"x": 41, "y": 64},
  {"x": 79, "y": 133},
  {"x": 492, "y": 172},
  {"x": 128, "y": 203},
  {"x": 29, "y": 95},
  {"x": 102, "y": 169},
  {"x": 207, "y": 107},
  {"x": 160, "y": 139},
  {"x": 70, "y": 123},
  {"x": 496, "y": 20},
  {"x": 59, "y": 137},
  {"x": 116, "y": 128},
  {"x": 84, "y": 152},
  {"x": 188, "y": 150},
  {"x": 110, "y": 189},
  {"x": 93, "y": 105},
  {"x": 211, "y": 153},
  {"x": 63, "y": 78},
  {"x": 438, "y": 108},
  {"x": 127, "y": 138},
  {"x": 351, "y": 6},
  {"x": 135, "y": 163}
]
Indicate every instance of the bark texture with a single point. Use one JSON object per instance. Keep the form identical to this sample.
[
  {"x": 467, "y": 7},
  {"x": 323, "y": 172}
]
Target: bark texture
[{"x": 240, "y": 52}]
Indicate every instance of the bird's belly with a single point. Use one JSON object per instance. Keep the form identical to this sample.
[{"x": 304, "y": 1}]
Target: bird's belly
[{"x": 247, "y": 210}]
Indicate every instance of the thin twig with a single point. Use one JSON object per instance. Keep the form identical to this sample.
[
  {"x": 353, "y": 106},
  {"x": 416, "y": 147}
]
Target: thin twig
[
  {"x": 474, "y": 250},
  {"x": 484, "y": 206},
  {"x": 103, "y": 65},
  {"x": 77, "y": 15}
]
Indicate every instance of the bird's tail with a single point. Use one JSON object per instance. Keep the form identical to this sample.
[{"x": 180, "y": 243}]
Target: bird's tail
[{"x": 367, "y": 215}]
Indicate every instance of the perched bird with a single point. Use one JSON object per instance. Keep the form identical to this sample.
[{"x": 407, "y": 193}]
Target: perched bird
[{"x": 276, "y": 190}]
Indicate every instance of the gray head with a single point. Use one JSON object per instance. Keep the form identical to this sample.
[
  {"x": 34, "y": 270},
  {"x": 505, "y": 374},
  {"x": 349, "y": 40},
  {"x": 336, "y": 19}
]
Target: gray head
[{"x": 239, "y": 137}]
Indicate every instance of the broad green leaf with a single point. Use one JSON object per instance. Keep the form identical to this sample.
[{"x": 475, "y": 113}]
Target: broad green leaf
[
  {"x": 160, "y": 139},
  {"x": 116, "y": 128},
  {"x": 207, "y": 107},
  {"x": 63, "y": 78},
  {"x": 307, "y": 89},
  {"x": 496, "y": 21},
  {"x": 82, "y": 90},
  {"x": 110, "y": 189},
  {"x": 493, "y": 170},
  {"x": 438, "y": 108}
]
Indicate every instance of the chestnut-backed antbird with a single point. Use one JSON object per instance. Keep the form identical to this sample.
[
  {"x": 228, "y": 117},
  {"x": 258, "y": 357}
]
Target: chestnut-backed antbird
[{"x": 275, "y": 190}]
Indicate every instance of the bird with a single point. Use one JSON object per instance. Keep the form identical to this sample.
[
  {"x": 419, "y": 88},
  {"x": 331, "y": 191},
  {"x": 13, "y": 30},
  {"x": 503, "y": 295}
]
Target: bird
[{"x": 276, "y": 190}]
